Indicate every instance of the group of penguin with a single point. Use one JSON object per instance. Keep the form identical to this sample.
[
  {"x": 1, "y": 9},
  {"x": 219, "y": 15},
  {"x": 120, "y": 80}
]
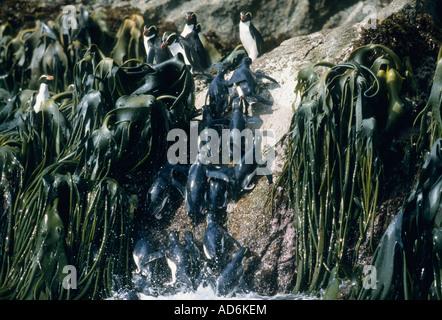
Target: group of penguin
[
  {"x": 190, "y": 44},
  {"x": 205, "y": 261}
]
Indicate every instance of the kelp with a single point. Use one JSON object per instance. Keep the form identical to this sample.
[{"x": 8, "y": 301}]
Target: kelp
[
  {"x": 430, "y": 117},
  {"x": 334, "y": 167},
  {"x": 67, "y": 172},
  {"x": 408, "y": 258}
]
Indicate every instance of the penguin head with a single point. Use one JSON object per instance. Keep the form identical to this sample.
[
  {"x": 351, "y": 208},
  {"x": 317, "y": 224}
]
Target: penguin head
[
  {"x": 190, "y": 18},
  {"x": 246, "y": 62},
  {"x": 45, "y": 78},
  {"x": 168, "y": 39},
  {"x": 149, "y": 30},
  {"x": 246, "y": 16}
]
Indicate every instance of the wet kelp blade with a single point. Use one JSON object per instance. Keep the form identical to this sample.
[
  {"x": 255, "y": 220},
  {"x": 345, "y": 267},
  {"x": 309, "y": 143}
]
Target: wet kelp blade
[{"x": 334, "y": 168}]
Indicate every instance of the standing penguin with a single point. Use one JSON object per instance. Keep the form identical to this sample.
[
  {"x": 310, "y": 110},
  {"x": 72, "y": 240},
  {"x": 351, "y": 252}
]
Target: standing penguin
[
  {"x": 174, "y": 43},
  {"x": 250, "y": 36},
  {"x": 198, "y": 56},
  {"x": 152, "y": 45},
  {"x": 43, "y": 92},
  {"x": 191, "y": 22}
]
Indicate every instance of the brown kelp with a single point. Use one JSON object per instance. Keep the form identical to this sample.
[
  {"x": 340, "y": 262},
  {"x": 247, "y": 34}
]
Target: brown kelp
[
  {"x": 68, "y": 173},
  {"x": 408, "y": 258},
  {"x": 334, "y": 166}
]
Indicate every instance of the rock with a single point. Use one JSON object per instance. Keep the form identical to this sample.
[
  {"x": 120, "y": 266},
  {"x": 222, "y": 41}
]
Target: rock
[{"x": 276, "y": 20}]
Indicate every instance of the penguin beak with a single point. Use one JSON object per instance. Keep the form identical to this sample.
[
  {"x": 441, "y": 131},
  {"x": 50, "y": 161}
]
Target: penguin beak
[
  {"x": 50, "y": 78},
  {"x": 163, "y": 45},
  {"x": 144, "y": 32},
  {"x": 242, "y": 17}
]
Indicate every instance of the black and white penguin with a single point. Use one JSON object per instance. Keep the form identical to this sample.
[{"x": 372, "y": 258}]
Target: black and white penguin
[
  {"x": 198, "y": 55},
  {"x": 213, "y": 241},
  {"x": 173, "y": 42},
  {"x": 197, "y": 186},
  {"x": 152, "y": 45},
  {"x": 143, "y": 255},
  {"x": 43, "y": 92},
  {"x": 191, "y": 22},
  {"x": 159, "y": 191},
  {"x": 250, "y": 37},
  {"x": 246, "y": 82},
  {"x": 190, "y": 47},
  {"x": 195, "y": 256},
  {"x": 244, "y": 171},
  {"x": 230, "y": 277},
  {"x": 178, "y": 260}
]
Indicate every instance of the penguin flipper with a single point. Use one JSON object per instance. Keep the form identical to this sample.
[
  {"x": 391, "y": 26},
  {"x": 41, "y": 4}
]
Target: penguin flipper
[
  {"x": 179, "y": 187},
  {"x": 148, "y": 258},
  {"x": 217, "y": 175},
  {"x": 261, "y": 75}
]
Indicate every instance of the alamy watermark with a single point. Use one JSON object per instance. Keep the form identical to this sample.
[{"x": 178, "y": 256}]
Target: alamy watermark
[
  {"x": 370, "y": 277},
  {"x": 235, "y": 146},
  {"x": 70, "y": 280}
]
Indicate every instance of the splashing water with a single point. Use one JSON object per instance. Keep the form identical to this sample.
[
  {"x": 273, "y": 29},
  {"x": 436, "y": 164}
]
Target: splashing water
[{"x": 207, "y": 293}]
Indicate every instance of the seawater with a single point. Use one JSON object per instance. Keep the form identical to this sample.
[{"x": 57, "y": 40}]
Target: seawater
[{"x": 207, "y": 293}]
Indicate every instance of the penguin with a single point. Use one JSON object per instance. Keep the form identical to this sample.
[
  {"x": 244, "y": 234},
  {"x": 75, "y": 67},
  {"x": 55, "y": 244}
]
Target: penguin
[
  {"x": 244, "y": 172},
  {"x": 238, "y": 122},
  {"x": 219, "y": 191},
  {"x": 159, "y": 192},
  {"x": 198, "y": 58},
  {"x": 250, "y": 37},
  {"x": 195, "y": 257},
  {"x": 43, "y": 92},
  {"x": 230, "y": 277},
  {"x": 246, "y": 83},
  {"x": 218, "y": 94},
  {"x": 152, "y": 45},
  {"x": 143, "y": 255},
  {"x": 197, "y": 186},
  {"x": 190, "y": 48},
  {"x": 173, "y": 42},
  {"x": 213, "y": 241},
  {"x": 191, "y": 22},
  {"x": 178, "y": 261}
]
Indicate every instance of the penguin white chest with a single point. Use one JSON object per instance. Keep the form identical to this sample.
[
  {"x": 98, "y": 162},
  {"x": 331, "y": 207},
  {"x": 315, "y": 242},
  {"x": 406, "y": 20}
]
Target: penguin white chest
[
  {"x": 247, "y": 40},
  {"x": 43, "y": 94}
]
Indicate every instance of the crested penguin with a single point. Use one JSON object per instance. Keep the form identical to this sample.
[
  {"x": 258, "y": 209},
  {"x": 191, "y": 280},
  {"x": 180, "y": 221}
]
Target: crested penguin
[
  {"x": 173, "y": 42},
  {"x": 198, "y": 56},
  {"x": 152, "y": 45},
  {"x": 178, "y": 259},
  {"x": 191, "y": 22},
  {"x": 250, "y": 37},
  {"x": 43, "y": 92}
]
